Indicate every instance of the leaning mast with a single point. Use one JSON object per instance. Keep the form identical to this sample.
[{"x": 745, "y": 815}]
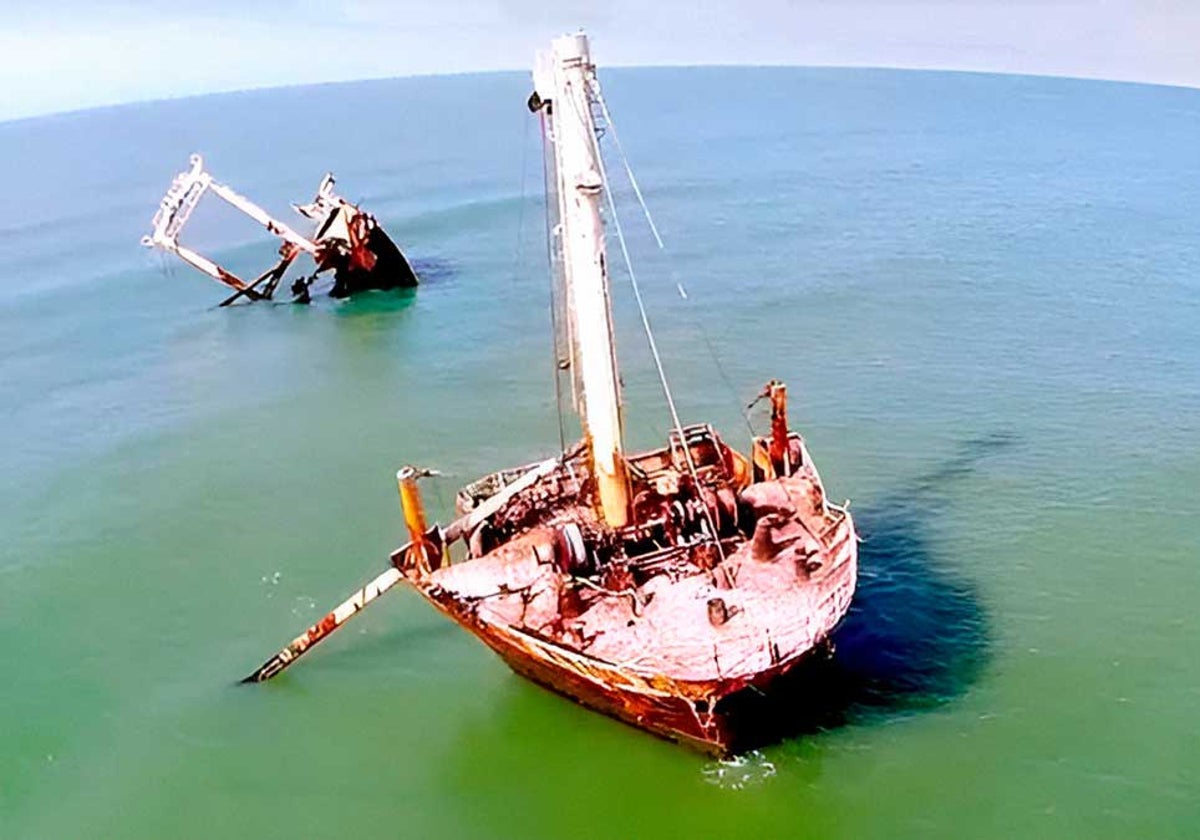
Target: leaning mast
[{"x": 563, "y": 79}]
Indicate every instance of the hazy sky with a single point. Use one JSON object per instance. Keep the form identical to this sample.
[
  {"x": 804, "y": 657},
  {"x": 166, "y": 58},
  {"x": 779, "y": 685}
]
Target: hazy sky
[{"x": 64, "y": 54}]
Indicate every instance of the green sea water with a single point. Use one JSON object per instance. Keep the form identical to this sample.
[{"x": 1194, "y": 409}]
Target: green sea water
[{"x": 983, "y": 291}]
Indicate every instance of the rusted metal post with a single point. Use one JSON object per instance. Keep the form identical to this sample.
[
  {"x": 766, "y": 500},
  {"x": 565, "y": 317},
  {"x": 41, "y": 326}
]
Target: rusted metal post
[
  {"x": 780, "y": 454},
  {"x": 425, "y": 551},
  {"x": 414, "y": 515}
]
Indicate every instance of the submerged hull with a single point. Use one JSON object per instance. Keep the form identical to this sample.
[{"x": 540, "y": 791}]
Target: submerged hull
[{"x": 389, "y": 269}]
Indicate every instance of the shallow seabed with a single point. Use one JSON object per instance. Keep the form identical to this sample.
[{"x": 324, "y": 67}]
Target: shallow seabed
[{"x": 983, "y": 291}]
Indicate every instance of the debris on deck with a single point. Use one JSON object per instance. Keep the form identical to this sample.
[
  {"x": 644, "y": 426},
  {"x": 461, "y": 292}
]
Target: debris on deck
[{"x": 347, "y": 241}]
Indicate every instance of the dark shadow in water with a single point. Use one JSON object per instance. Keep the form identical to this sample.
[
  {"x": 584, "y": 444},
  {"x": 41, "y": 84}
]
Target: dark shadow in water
[
  {"x": 916, "y": 634},
  {"x": 432, "y": 270}
]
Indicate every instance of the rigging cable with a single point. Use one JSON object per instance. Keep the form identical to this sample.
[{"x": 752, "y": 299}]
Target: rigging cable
[
  {"x": 521, "y": 204},
  {"x": 637, "y": 294},
  {"x": 745, "y": 412},
  {"x": 637, "y": 191},
  {"x": 554, "y": 360}
]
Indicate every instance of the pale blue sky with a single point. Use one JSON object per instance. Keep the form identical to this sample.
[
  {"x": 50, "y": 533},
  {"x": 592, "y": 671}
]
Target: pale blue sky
[{"x": 63, "y": 54}]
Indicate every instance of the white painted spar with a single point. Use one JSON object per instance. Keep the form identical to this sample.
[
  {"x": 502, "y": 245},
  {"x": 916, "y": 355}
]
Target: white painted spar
[
  {"x": 181, "y": 199},
  {"x": 564, "y": 78},
  {"x": 262, "y": 217},
  {"x": 472, "y": 520},
  {"x": 205, "y": 264}
]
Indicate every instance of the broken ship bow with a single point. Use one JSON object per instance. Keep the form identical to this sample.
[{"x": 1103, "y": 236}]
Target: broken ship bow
[{"x": 657, "y": 587}]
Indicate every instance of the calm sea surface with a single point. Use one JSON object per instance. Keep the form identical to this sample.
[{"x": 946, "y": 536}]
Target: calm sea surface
[{"x": 983, "y": 291}]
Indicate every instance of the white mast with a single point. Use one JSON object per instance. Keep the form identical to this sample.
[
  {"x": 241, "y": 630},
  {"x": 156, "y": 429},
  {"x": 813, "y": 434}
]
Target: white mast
[{"x": 564, "y": 78}]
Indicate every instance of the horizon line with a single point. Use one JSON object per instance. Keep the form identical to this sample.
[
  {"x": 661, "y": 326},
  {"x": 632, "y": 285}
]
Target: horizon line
[{"x": 67, "y": 112}]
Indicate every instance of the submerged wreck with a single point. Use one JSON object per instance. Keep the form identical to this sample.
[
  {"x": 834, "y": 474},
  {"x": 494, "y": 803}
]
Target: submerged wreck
[
  {"x": 658, "y": 587},
  {"x": 347, "y": 241}
]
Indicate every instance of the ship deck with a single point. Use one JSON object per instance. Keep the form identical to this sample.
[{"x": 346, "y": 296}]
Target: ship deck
[{"x": 761, "y": 609}]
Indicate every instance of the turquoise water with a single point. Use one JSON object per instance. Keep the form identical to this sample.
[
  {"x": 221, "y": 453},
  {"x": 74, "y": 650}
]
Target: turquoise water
[{"x": 982, "y": 290}]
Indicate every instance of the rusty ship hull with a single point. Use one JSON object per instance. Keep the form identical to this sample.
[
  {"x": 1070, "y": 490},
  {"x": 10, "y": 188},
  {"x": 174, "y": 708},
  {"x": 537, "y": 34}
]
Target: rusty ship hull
[
  {"x": 701, "y": 714},
  {"x": 668, "y": 646}
]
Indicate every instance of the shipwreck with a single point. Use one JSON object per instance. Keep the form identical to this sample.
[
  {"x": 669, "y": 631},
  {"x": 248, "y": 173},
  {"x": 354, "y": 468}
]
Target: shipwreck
[
  {"x": 347, "y": 243},
  {"x": 658, "y": 587}
]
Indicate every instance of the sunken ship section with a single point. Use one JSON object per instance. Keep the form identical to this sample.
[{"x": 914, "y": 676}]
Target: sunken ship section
[{"x": 348, "y": 244}]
